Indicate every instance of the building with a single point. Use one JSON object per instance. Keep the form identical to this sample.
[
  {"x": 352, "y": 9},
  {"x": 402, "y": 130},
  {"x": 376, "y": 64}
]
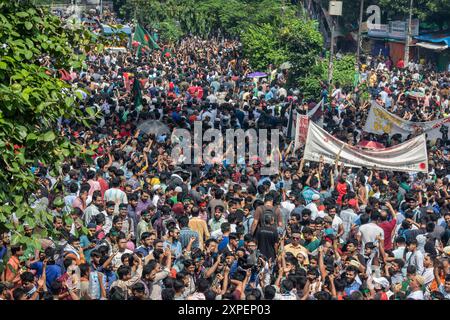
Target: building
[{"x": 435, "y": 47}]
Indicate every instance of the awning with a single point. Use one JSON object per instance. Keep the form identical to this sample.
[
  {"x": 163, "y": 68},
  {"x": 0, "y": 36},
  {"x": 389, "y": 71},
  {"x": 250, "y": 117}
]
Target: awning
[
  {"x": 108, "y": 30},
  {"x": 432, "y": 46}
]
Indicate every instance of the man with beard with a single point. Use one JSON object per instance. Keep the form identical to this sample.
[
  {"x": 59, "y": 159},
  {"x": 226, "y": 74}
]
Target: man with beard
[
  {"x": 146, "y": 246},
  {"x": 144, "y": 225},
  {"x": 89, "y": 242},
  {"x": 153, "y": 275},
  {"x": 161, "y": 223},
  {"x": 173, "y": 243},
  {"x": 143, "y": 203},
  {"x": 216, "y": 221},
  {"x": 348, "y": 217},
  {"x": 395, "y": 271},
  {"x": 211, "y": 252},
  {"x": 94, "y": 208},
  {"x": 352, "y": 279},
  {"x": 132, "y": 205}
]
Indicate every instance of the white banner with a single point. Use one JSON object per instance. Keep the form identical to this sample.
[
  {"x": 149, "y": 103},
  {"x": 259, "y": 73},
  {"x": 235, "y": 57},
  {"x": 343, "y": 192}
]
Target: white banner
[
  {"x": 410, "y": 156},
  {"x": 380, "y": 121},
  {"x": 301, "y": 124}
]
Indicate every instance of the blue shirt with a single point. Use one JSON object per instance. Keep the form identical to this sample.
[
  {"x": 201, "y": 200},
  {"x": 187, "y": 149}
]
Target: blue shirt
[
  {"x": 174, "y": 247},
  {"x": 145, "y": 251},
  {"x": 52, "y": 272},
  {"x": 3, "y": 251},
  {"x": 351, "y": 288},
  {"x": 224, "y": 243},
  {"x": 308, "y": 193},
  {"x": 84, "y": 242}
]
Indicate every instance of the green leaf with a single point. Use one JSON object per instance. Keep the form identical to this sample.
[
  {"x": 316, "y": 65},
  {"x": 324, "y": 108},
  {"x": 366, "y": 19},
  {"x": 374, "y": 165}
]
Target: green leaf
[
  {"x": 28, "y": 25},
  {"x": 28, "y": 54},
  {"x": 22, "y": 14},
  {"x": 3, "y": 65},
  {"x": 90, "y": 111},
  {"x": 32, "y": 136},
  {"x": 49, "y": 136}
]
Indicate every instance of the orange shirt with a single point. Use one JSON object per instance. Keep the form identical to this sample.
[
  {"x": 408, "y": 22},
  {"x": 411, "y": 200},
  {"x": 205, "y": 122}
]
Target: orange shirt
[{"x": 12, "y": 269}]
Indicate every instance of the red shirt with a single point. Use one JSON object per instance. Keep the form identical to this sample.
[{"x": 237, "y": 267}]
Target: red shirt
[
  {"x": 341, "y": 189},
  {"x": 388, "y": 227},
  {"x": 103, "y": 186}
]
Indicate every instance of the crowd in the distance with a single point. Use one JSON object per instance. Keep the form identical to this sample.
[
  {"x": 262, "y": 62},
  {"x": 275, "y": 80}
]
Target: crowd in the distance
[{"x": 129, "y": 223}]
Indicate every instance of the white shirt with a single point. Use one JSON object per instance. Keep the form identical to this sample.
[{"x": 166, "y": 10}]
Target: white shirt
[
  {"x": 116, "y": 261},
  {"x": 336, "y": 223},
  {"x": 348, "y": 217},
  {"x": 428, "y": 274},
  {"x": 314, "y": 210},
  {"x": 416, "y": 295},
  {"x": 116, "y": 195},
  {"x": 369, "y": 232},
  {"x": 398, "y": 253}
]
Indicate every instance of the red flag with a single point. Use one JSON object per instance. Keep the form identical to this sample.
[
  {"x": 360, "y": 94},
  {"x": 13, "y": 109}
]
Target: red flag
[
  {"x": 126, "y": 80},
  {"x": 64, "y": 75}
]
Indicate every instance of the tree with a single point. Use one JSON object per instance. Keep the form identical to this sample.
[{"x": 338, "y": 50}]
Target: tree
[
  {"x": 35, "y": 45},
  {"x": 296, "y": 40},
  {"x": 262, "y": 46}
]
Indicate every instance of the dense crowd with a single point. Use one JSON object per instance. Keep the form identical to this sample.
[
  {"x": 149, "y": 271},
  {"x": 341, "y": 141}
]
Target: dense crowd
[{"x": 131, "y": 223}]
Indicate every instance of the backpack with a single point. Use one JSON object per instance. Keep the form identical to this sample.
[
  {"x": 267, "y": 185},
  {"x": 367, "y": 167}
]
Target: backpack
[{"x": 268, "y": 212}]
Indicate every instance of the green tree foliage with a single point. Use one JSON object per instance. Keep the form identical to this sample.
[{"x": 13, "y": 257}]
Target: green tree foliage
[
  {"x": 343, "y": 73},
  {"x": 428, "y": 11},
  {"x": 204, "y": 17},
  {"x": 32, "y": 99},
  {"x": 263, "y": 47}
]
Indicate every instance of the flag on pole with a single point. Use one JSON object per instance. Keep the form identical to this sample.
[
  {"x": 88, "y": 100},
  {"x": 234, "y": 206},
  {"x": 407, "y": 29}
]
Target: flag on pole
[
  {"x": 291, "y": 131},
  {"x": 166, "y": 53},
  {"x": 137, "y": 94},
  {"x": 142, "y": 39}
]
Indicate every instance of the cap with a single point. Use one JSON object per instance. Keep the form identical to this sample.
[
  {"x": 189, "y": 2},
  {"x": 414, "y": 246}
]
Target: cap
[
  {"x": 420, "y": 280},
  {"x": 178, "y": 208},
  {"x": 123, "y": 206},
  {"x": 382, "y": 281},
  {"x": 178, "y": 189},
  {"x": 156, "y": 187},
  {"x": 352, "y": 202},
  {"x": 315, "y": 197},
  {"x": 91, "y": 225},
  {"x": 355, "y": 263},
  {"x": 447, "y": 250}
]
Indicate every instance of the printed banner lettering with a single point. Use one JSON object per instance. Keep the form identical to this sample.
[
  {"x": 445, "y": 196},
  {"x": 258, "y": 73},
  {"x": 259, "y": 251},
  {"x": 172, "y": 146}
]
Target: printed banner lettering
[
  {"x": 410, "y": 156},
  {"x": 380, "y": 121}
]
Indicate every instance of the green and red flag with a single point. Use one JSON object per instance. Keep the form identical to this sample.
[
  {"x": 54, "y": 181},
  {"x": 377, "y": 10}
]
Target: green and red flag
[
  {"x": 142, "y": 39},
  {"x": 137, "y": 94},
  {"x": 166, "y": 53}
]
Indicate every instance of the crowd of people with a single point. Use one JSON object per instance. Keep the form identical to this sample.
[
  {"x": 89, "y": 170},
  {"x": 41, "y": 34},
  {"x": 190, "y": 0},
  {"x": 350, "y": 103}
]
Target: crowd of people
[{"x": 130, "y": 223}]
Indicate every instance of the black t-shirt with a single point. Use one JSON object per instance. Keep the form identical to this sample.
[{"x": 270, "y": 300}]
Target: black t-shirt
[{"x": 267, "y": 237}]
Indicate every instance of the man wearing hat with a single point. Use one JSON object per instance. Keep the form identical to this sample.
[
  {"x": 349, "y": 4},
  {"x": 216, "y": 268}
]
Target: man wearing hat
[
  {"x": 415, "y": 286},
  {"x": 313, "y": 206},
  {"x": 381, "y": 286}
]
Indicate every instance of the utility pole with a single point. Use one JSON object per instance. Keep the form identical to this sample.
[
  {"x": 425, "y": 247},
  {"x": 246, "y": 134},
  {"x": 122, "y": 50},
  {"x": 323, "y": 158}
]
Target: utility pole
[
  {"x": 358, "y": 41},
  {"x": 409, "y": 35},
  {"x": 330, "y": 61},
  {"x": 335, "y": 9}
]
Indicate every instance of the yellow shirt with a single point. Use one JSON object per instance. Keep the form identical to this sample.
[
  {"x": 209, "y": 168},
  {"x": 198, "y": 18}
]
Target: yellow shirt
[
  {"x": 296, "y": 251},
  {"x": 200, "y": 226}
]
